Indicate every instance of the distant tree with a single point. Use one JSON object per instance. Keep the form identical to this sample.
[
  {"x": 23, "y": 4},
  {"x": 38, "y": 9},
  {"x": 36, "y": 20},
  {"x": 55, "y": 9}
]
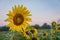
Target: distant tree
[
  {"x": 36, "y": 26},
  {"x": 46, "y": 26},
  {"x": 4, "y": 28}
]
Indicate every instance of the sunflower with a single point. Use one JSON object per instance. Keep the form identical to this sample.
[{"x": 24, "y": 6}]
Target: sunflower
[
  {"x": 26, "y": 34},
  {"x": 33, "y": 31},
  {"x": 14, "y": 36},
  {"x": 54, "y": 24},
  {"x": 45, "y": 34},
  {"x": 58, "y": 29},
  {"x": 53, "y": 31},
  {"x": 18, "y": 18},
  {"x": 35, "y": 38}
]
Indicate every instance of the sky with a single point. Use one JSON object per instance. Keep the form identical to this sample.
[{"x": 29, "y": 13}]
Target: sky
[{"x": 43, "y": 11}]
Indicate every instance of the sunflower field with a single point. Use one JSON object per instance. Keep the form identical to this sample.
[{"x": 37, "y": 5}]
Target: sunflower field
[
  {"x": 20, "y": 28},
  {"x": 32, "y": 34}
]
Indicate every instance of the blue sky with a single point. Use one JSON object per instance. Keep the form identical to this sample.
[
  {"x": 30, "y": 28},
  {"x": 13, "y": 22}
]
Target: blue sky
[{"x": 42, "y": 10}]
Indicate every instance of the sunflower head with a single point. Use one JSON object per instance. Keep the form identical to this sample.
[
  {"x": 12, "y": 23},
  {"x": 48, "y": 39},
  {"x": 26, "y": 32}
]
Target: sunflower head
[
  {"x": 14, "y": 36},
  {"x": 58, "y": 29},
  {"x": 18, "y": 18},
  {"x": 34, "y": 31},
  {"x": 54, "y": 24},
  {"x": 53, "y": 31},
  {"x": 45, "y": 34},
  {"x": 26, "y": 34}
]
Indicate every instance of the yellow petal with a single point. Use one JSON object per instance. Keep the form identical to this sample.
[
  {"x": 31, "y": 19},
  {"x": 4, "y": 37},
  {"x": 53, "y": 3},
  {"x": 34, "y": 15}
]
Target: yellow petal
[
  {"x": 24, "y": 8},
  {"x": 28, "y": 19},
  {"x": 10, "y": 20}
]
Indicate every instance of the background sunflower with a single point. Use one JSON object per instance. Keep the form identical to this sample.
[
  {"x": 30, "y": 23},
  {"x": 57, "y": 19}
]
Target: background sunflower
[
  {"x": 35, "y": 38},
  {"x": 58, "y": 29},
  {"x": 26, "y": 34},
  {"x": 54, "y": 24},
  {"x": 44, "y": 35},
  {"x": 33, "y": 31}
]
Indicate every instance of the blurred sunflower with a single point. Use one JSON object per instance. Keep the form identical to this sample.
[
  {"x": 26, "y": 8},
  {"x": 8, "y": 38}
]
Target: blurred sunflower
[
  {"x": 33, "y": 31},
  {"x": 52, "y": 35},
  {"x": 26, "y": 34},
  {"x": 44, "y": 35},
  {"x": 14, "y": 36},
  {"x": 18, "y": 18},
  {"x": 58, "y": 29},
  {"x": 35, "y": 38},
  {"x": 53, "y": 31},
  {"x": 54, "y": 24}
]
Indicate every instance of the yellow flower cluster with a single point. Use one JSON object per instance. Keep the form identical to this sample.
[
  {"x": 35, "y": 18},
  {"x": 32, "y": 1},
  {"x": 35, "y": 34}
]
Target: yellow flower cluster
[
  {"x": 58, "y": 29},
  {"x": 45, "y": 35},
  {"x": 30, "y": 32}
]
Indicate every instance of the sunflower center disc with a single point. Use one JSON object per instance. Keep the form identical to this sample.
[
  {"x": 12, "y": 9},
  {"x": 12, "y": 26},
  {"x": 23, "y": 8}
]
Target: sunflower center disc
[
  {"x": 44, "y": 34},
  {"x": 27, "y": 33},
  {"x": 18, "y": 19},
  {"x": 34, "y": 38},
  {"x": 32, "y": 31},
  {"x": 59, "y": 28}
]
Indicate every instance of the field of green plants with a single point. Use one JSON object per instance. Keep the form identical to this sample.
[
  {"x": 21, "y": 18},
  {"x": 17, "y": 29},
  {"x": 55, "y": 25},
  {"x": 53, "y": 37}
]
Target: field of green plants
[{"x": 52, "y": 35}]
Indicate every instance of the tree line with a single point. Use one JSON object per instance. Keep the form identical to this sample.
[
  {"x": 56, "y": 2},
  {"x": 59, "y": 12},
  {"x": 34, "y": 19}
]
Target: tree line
[{"x": 44, "y": 26}]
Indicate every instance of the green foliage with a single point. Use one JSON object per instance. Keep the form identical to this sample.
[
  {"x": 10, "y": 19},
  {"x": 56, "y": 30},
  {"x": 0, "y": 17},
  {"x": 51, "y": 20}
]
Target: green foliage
[{"x": 7, "y": 35}]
